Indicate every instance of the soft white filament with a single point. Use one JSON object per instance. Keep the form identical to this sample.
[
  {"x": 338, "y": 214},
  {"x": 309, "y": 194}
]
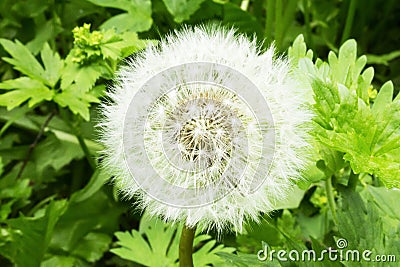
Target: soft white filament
[{"x": 201, "y": 121}]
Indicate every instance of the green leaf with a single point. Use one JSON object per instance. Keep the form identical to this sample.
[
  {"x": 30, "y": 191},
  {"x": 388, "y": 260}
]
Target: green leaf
[
  {"x": 77, "y": 100},
  {"x": 54, "y": 153},
  {"x": 53, "y": 65},
  {"x": 28, "y": 238},
  {"x": 86, "y": 227},
  {"x": 96, "y": 182},
  {"x": 365, "y": 227},
  {"x": 44, "y": 33},
  {"x": 92, "y": 246},
  {"x": 25, "y": 89},
  {"x": 368, "y": 137},
  {"x": 386, "y": 200},
  {"x": 295, "y": 195},
  {"x": 383, "y": 59},
  {"x": 84, "y": 77},
  {"x": 182, "y": 9},
  {"x": 245, "y": 260},
  {"x": 61, "y": 261},
  {"x": 157, "y": 242},
  {"x": 137, "y": 19},
  {"x": 23, "y": 60},
  {"x": 244, "y": 21},
  {"x": 299, "y": 50}
]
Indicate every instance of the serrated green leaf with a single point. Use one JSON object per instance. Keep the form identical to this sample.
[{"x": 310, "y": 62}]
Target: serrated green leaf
[
  {"x": 369, "y": 138},
  {"x": 77, "y": 100},
  {"x": 365, "y": 227},
  {"x": 182, "y": 9},
  {"x": 23, "y": 60},
  {"x": 84, "y": 77},
  {"x": 24, "y": 89},
  {"x": 53, "y": 65},
  {"x": 156, "y": 244}
]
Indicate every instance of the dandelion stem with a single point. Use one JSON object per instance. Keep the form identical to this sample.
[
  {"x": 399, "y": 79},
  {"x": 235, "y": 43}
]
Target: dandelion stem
[
  {"x": 331, "y": 198},
  {"x": 186, "y": 247}
]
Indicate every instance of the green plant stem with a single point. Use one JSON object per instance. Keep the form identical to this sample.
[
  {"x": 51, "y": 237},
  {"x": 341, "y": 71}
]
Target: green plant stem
[
  {"x": 86, "y": 151},
  {"x": 34, "y": 144},
  {"x": 349, "y": 20},
  {"x": 331, "y": 198},
  {"x": 353, "y": 180},
  {"x": 278, "y": 25},
  {"x": 307, "y": 22},
  {"x": 269, "y": 20},
  {"x": 186, "y": 247}
]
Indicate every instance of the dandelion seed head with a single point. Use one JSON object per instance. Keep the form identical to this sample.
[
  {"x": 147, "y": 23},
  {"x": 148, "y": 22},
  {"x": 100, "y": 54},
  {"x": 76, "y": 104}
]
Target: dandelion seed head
[{"x": 205, "y": 129}]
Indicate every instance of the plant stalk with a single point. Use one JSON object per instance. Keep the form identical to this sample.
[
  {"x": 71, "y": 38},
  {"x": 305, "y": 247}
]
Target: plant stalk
[
  {"x": 331, "y": 198},
  {"x": 349, "y": 20},
  {"x": 269, "y": 20},
  {"x": 186, "y": 247}
]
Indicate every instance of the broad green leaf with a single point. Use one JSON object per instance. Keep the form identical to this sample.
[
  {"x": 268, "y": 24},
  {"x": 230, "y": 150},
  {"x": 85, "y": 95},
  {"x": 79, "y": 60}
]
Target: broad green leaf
[
  {"x": 24, "y": 89},
  {"x": 119, "y": 4},
  {"x": 54, "y": 153},
  {"x": 63, "y": 261},
  {"x": 182, "y": 9},
  {"x": 90, "y": 222},
  {"x": 92, "y": 246},
  {"x": 44, "y": 33},
  {"x": 244, "y": 21},
  {"x": 292, "y": 201},
  {"x": 23, "y": 60},
  {"x": 29, "y": 237},
  {"x": 96, "y": 182},
  {"x": 245, "y": 260},
  {"x": 366, "y": 228},
  {"x": 134, "y": 21},
  {"x": 137, "y": 19},
  {"x": 386, "y": 200}
]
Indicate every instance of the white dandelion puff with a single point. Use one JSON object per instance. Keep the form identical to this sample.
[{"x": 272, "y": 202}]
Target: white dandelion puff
[{"x": 205, "y": 129}]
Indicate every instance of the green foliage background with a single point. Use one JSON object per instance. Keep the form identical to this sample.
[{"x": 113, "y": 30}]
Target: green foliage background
[{"x": 59, "y": 56}]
